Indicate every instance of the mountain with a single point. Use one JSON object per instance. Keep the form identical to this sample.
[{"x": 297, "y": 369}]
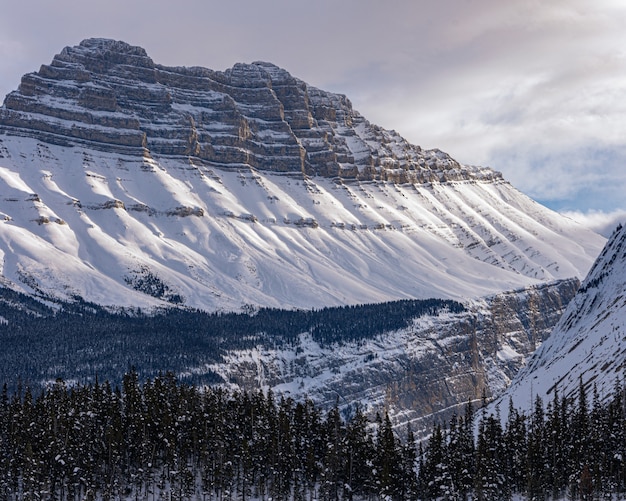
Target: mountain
[
  {"x": 128, "y": 183},
  {"x": 588, "y": 344},
  {"x": 272, "y": 228},
  {"x": 421, "y": 373},
  {"x": 418, "y": 360}
]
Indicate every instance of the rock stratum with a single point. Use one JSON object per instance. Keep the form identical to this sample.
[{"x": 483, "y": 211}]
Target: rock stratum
[
  {"x": 128, "y": 183},
  {"x": 419, "y": 375},
  {"x": 111, "y": 96}
]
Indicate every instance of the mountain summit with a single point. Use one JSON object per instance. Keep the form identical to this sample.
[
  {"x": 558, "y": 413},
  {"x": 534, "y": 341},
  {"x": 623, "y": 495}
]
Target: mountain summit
[
  {"x": 110, "y": 96},
  {"x": 129, "y": 183}
]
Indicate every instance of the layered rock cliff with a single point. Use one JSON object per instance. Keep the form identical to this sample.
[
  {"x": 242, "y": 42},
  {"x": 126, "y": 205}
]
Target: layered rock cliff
[
  {"x": 419, "y": 375},
  {"x": 111, "y": 96}
]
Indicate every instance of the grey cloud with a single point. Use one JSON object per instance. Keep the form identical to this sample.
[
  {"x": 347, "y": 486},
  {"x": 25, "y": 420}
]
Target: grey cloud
[{"x": 586, "y": 177}]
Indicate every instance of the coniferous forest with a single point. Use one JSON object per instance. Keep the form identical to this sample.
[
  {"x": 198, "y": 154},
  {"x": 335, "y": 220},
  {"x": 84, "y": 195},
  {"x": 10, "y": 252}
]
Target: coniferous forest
[
  {"x": 164, "y": 440},
  {"x": 77, "y": 340}
]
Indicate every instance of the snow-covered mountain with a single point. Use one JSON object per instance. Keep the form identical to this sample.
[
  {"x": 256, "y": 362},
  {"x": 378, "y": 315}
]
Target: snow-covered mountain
[
  {"x": 130, "y": 183},
  {"x": 589, "y": 341}
]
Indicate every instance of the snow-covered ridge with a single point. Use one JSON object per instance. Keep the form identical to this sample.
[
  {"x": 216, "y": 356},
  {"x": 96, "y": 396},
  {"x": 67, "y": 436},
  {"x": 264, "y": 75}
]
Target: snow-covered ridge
[
  {"x": 589, "y": 342},
  {"x": 129, "y": 183}
]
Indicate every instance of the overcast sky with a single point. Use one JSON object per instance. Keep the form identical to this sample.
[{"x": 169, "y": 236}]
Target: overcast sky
[{"x": 535, "y": 89}]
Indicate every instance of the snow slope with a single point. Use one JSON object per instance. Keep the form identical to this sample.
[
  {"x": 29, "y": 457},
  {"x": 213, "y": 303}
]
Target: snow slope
[
  {"x": 589, "y": 341},
  {"x": 88, "y": 223},
  {"x": 129, "y": 183}
]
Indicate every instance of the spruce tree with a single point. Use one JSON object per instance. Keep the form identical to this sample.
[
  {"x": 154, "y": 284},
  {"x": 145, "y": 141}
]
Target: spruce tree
[
  {"x": 491, "y": 482},
  {"x": 435, "y": 477},
  {"x": 388, "y": 460},
  {"x": 359, "y": 453},
  {"x": 516, "y": 449},
  {"x": 535, "y": 458}
]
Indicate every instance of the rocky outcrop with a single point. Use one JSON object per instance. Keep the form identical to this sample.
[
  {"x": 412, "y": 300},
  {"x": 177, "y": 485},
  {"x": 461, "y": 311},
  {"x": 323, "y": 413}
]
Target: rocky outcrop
[
  {"x": 111, "y": 96},
  {"x": 418, "y": 375}
]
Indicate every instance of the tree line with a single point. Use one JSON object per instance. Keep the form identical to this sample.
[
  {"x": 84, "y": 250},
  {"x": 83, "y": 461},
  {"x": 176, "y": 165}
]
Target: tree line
[
  {"x": 163, "y": 439},
  {"x": 570, "y": 449},
  {"x": 78, "y": 340}
]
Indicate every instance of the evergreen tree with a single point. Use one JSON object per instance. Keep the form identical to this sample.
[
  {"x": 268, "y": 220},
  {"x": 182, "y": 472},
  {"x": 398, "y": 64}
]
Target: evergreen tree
[
  {"x": 408, "y": 480},
  {"x": 5, "y": 449},
  {"x": 359, "y": 453},
  {"x": 388, "y": 461},
  {"x": 169, "y": 440},
  {"x": 332, "y": 474},
  {"x": 599, "y": 449},
  {"x": 516, "y": 447},
  {"x": 536, "y": 452},
  {"x": 461, "y": 452},
  {"x": 491, "y": 482},
  {"x": 579, "y": 440},
  {"x": 617, "y": 437},
  {"x": 435, "y": 478}
]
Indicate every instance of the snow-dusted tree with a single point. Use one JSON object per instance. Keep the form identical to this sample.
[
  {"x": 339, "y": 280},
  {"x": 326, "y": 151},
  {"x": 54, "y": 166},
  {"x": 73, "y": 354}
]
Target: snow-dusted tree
[
  {"x": 434, "y": 475},
  {"x": 461, "y": 453},
  {"x": 491, "y": 482}
]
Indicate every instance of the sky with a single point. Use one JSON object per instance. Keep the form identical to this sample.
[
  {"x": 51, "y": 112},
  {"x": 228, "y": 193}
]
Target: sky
[{"x": 534, "y": 89}]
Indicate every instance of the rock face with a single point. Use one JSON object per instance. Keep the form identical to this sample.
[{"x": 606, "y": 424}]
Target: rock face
[
  {"x": 418, "y": 375},
  {"x": 111, "y": 96}
]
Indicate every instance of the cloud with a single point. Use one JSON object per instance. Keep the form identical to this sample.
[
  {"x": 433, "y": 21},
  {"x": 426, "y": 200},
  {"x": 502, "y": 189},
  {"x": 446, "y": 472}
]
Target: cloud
[
  {"x": 598, "y": 221},
  {"x": 586, "y": 176}
]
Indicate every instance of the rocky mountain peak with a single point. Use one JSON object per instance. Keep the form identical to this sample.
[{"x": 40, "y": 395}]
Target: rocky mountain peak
[
  {"x": 127, "y": 182},
  {"x": 99, "y": 55},
  {"x": 111, "y": 96}
]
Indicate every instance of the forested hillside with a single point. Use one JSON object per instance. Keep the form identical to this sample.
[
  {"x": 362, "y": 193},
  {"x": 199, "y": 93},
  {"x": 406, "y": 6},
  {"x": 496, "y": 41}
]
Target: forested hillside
[
  {"x": 79, "y": 341},
  {"x": 167, "y": 440}
]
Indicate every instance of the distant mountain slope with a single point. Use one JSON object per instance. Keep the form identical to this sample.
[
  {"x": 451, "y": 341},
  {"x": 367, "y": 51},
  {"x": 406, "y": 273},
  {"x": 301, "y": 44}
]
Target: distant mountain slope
[
  {"x": 589, "y": 341},
  {"x": 129, "y": 183},
  {"x": 419, "y": 360}
]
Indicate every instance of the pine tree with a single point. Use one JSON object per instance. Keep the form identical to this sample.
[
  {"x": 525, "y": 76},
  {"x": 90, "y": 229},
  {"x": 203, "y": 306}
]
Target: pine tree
[
  {"x": 359, "y": 453},
  {"x": 579, "y": 440},
  {"x": 435, "y": 478},
  {"x": 535, "y": 459},
  {"x": 5, "y": 451},
  {"x": 491, "y": 482},
  {"x": 556, "y": 448},
  {"x": 332, "y": 467},
  {"x": 617, "y": 437},
  {"x": 461, "y": 452},
  {"x": 516, "y": 447},
  {"x": 408, "y": 481},
  {"x": 599, "y": 449},
  {"x": 388, "y": 460}
]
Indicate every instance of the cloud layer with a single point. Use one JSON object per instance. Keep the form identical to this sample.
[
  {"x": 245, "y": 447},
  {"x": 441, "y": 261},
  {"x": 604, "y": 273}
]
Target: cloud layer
[{"x": 534, "y": 89}]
